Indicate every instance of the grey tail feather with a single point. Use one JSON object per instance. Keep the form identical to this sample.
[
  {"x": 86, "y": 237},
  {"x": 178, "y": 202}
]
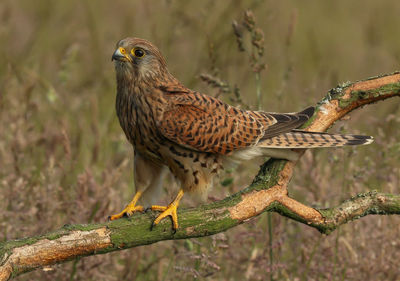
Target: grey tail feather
[{"x": 303, "y": 139}]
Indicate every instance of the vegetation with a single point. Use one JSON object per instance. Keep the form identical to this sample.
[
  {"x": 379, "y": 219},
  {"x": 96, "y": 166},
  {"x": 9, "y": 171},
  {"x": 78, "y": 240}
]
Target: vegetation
[{"x": 65, "y": 160}]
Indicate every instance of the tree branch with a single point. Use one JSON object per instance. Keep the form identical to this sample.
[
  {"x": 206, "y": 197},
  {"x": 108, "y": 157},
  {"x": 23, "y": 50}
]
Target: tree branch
[{"x": 268, "y": 192}]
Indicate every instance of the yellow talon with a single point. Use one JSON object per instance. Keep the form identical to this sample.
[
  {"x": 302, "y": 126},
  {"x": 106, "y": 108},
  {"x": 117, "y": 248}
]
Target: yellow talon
[
  {"x": 130, "y": 209},
  {"x": 170, "y": 210}
]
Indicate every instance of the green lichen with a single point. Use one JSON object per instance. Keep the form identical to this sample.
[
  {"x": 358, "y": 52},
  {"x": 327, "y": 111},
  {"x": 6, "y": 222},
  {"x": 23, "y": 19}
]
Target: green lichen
[
  {"x": 329, "y": 224},
  {"x": 338, "y": 92},
  {"x": 6, "y": 247},
  {"x": 367, "y": 94},
  {"x": 124, "y": 232},
  {"x": 84, "y": 227},
  {"x": 267, "y": 176},
  {"x": 311, "y": 120}
]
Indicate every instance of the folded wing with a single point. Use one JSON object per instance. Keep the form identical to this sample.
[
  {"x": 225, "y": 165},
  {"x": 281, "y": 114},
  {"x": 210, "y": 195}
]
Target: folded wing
[{"x": 206, "y": 124}]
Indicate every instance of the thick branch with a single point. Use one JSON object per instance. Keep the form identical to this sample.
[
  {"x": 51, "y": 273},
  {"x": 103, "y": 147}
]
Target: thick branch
[{"x": 268, "y": 192}]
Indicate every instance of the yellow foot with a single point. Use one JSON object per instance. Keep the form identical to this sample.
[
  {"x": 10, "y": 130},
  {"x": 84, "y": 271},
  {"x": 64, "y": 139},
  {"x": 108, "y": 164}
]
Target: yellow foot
[
  {"x": 130, "y": 209},
  {"x": 170, "y": 210}
]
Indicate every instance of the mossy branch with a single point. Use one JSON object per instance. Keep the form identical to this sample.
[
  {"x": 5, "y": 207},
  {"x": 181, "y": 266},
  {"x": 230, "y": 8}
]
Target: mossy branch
[{"x": 268, "y": 192}]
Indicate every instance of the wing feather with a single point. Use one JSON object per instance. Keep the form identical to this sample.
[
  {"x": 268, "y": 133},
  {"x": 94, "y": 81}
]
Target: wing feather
[{"x": 206, "y": 124}]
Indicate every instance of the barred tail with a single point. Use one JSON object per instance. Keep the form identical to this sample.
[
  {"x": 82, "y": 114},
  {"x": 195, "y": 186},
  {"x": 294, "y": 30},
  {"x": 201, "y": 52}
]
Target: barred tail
[{"x": 302, "y": 139}]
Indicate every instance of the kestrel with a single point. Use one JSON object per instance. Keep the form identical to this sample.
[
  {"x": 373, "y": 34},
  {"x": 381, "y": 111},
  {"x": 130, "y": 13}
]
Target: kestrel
[{"x": 192, "y": 135}]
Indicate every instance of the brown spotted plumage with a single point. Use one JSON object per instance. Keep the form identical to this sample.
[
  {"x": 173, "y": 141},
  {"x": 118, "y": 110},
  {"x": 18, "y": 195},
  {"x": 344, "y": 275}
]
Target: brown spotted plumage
[{"x": 191, "y": 134}]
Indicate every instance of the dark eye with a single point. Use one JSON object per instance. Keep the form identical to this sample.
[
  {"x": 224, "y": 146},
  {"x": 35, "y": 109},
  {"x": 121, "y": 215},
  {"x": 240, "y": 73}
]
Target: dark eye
[{"x": 138, "y": 53}]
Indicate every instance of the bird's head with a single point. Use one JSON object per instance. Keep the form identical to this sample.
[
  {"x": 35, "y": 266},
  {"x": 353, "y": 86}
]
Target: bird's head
[{"x": 137, "y": 58}]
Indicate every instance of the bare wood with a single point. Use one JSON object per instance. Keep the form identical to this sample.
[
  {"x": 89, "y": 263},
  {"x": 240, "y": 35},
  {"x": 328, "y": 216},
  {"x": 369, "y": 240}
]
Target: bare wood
[
  {"x": 268, "y": 192},
  {"x": 50, "y": 251}
]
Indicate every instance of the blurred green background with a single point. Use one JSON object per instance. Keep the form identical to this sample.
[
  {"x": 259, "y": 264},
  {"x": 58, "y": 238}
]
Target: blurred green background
[{"x": 64, "y": 158}]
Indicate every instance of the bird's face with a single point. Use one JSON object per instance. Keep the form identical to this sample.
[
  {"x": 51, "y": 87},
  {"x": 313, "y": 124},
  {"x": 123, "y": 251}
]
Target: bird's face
[{"x": 138, "y": 58}]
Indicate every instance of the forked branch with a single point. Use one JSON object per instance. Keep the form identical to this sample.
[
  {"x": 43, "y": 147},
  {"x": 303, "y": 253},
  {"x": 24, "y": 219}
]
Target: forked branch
[{"x": 268, "y": 192}]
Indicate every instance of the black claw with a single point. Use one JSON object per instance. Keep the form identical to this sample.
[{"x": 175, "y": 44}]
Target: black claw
[
  {"x": 125, "y": 215},
  {"x": 153, "y": 225},
  {"x": 173, "y": 226},
  {"x": 147, "y": 209},
  {"x": 109, "y": 218}
]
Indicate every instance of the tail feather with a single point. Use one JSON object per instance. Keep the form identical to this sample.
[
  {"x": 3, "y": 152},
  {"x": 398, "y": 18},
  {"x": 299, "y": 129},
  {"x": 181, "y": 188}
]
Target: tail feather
[{"x": 303, "y": 139}]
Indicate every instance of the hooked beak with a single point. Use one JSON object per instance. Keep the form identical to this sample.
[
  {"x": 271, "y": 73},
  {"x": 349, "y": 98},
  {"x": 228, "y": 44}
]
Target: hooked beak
[{"x": 120, "y": 55}]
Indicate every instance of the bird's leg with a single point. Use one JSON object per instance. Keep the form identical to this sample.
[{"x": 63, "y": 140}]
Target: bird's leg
[
  {"x": 170, "y": 210},
  {"x": 130, "y": 209}
]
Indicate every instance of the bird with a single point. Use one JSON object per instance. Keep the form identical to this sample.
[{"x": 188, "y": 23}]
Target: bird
[{"x": 191, "y": 135}]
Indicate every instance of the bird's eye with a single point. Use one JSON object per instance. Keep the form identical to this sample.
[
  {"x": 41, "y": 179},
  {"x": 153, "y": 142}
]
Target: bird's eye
[{"x": 139, "y": 53}]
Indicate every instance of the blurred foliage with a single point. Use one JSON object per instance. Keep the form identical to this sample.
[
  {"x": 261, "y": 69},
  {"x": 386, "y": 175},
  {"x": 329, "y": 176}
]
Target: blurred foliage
[{"x": 64, "y": 158}]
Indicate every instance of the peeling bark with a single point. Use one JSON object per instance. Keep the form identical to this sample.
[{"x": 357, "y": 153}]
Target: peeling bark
[
  {"x": 268, "y": 192},
  {"x": 47, "y": 251}
]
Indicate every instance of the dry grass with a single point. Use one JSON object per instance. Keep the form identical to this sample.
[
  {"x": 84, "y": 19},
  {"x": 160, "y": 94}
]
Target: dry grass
[{"x": 64, "y": 159}]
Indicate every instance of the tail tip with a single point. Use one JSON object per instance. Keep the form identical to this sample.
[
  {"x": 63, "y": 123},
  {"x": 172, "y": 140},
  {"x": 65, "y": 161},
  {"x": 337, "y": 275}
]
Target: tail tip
[
  {"x": 368, "y": 140},
  {"x": 361, "y": 140}
]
